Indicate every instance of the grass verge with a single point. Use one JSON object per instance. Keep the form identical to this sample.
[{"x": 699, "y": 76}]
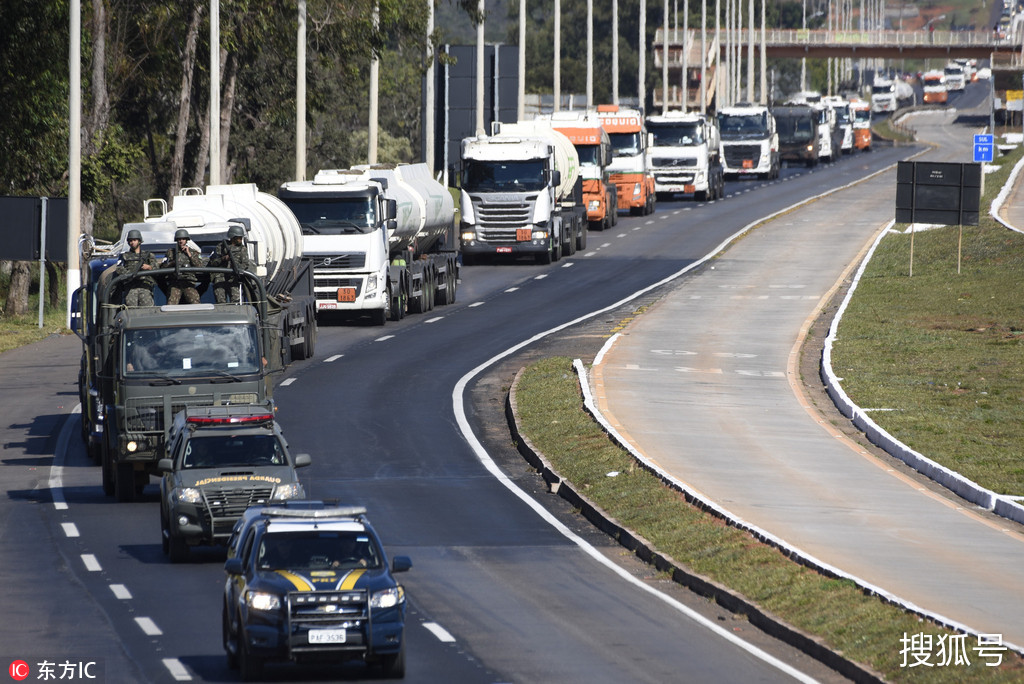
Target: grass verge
[{"x": 863, "y": 628}]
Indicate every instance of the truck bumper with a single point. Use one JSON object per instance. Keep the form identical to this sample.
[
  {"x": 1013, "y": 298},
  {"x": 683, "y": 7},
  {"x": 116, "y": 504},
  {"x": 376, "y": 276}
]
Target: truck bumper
[{"x": 477, "y": 248}]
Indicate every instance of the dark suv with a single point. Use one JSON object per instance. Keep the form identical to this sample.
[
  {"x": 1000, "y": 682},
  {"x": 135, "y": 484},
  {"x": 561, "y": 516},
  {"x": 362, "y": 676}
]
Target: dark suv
[
  {"x": 309, "y": 581},
  {"x": 222, "y": 460}
]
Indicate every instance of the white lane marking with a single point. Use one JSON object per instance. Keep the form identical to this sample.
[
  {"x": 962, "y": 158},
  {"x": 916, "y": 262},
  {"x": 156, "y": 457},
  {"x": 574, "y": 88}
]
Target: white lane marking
[
  {"x": 435, "y": 319},
  {"x": 590, "y": 254},
  {"x": 177, "y": 670},
  {"x": 285, "y": 383},
  {"x": 440, "y": 632},
  {"x": 91, "y": 564},
  {"x": 512, "y": 289},
  {"x": 332, "y": 359},
  {"x": 384, "y": 338},
  {"x": 567, "y": 264},
  {"x": 56, "y": 480},
  {"x": 121, "y": 591},
  {"x": 476, "y": 304},
  {"x": 621, "y": 235},
  {"x": 148, "y": 627},
  {"x": 607, "y": 244},
  {"x": 70, "y": 529},
  {"x": 542, "y": 276}
]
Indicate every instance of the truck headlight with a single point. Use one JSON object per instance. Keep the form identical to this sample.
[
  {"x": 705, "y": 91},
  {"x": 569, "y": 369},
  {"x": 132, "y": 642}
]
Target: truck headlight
[
  {"x": 188, "y": 495},
  {"x": 289, "y": 491},
  {"x": 371, "y": 283},
  {"x": 258, "y": 600},
  {"x": 594, "y": 205},
  {"x": 637, "y": 189},
  {"x": 540, "y": 235},
  {"x": 388, "y": 598},
  {"x": 468, "y": 235}
]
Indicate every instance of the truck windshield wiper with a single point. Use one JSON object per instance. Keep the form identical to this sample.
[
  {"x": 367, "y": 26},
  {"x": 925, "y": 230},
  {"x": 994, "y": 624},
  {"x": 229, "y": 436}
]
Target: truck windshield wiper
[
  {"x": 161, "y": 379},
  {"x": 225, "y": 376}
]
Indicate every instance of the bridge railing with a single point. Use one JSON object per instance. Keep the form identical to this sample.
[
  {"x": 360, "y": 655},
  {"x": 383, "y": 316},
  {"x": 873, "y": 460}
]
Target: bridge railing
[{"x": 822, "y": 37}]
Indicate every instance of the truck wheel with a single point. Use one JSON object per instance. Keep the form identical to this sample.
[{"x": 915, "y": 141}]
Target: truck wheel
[
  {"x": 393, "y": 665},
  {"x": 581, "y": 241},
  {"x": 124, "y": 482},
  {"x": 544, "y": 258}
]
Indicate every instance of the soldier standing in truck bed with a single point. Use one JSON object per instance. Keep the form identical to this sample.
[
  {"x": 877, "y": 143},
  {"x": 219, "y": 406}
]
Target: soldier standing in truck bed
[
  {"x": 228, "y": 286},
  {"x": 184, "y": 285},
  {"x": 133, "y": 262}
]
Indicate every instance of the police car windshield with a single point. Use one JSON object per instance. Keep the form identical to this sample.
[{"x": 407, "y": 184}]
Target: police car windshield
[
  {"x": 220, "y": 451},
  {"x": 191, "y": 351},
  {"x": 317, "y": 550}
]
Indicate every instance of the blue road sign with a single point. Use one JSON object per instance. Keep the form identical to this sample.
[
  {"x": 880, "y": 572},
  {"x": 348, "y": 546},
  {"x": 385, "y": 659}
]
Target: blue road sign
[{"x": 984, "y": 147}]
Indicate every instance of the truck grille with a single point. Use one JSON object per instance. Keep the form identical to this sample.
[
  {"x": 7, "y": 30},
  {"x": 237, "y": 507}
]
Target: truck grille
[
  {"x": 672, "y": 162},
  {"x": 498, "y": 221},
  {"x": 326, "y": 284},
  {"x": 736, "y": 154},
  {"x": 225, "y": 506},
  {"x": 685, "y": 177},
  {"x": 146, "y": 414},
  {"x": 353, "y": 260}
]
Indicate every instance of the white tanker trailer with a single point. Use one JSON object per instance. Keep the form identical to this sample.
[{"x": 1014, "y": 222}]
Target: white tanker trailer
[{"x": 381, "y": 238}]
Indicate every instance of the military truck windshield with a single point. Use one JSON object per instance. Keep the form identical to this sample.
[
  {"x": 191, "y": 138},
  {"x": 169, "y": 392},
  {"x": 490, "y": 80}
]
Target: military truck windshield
[
  {"x": 317, "y": 550},
  {"x": 795, "y": 128},
  {"x": 511, "y": 176},
  {"x": 625, "y": 144},
  {"x": 191, "y": 351},
  {"x": 742, "y": 126},
  {"x": 334, "y": 216},
  {"x": 226, "y": 450},
  {"x": 676, "y": 134}
]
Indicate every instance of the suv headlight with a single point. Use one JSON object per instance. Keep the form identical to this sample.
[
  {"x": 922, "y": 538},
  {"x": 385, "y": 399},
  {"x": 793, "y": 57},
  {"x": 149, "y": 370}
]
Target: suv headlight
[
  {"x": 387, "y": 598},
  {"x": 258, "y": 600},
  {"x": 289, "y": 491},
  {"x": 188, "y": 495}
]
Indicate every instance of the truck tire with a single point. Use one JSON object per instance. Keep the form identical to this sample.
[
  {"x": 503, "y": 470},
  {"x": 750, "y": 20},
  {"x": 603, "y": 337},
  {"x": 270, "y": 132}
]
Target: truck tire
[
  {"x": 124, "y": 482},
  {"x": 543, "y": 258},
  {"x": 581, "y": 241}
]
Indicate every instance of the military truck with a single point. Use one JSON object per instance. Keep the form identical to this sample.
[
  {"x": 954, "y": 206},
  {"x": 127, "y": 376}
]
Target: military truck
[{"x": 141, "y": 365}]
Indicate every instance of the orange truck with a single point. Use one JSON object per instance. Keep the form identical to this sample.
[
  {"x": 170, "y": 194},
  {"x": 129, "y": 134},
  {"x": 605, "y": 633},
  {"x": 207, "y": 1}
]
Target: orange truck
[
  {"x": 628, "y": 169},
  {"x": 594, "y": 148},
  {"x": 861, "y": 112}
]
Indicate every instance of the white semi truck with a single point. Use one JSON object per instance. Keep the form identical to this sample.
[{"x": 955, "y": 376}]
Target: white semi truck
[
  {"x": 750, "y": 142},
  {"x": 685, "y": 155},
  {"x": 381, "y": 239},
  {"x": 521, "y": 194}
]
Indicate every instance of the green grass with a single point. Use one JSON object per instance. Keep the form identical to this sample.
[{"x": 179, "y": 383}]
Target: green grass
[
  {"x": 862, "y": 627},
  {"x": 17, "y": 331}
]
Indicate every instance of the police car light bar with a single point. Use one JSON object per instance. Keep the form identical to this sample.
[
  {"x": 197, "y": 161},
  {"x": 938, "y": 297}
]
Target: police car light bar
[{"x": 226, "y": 420}]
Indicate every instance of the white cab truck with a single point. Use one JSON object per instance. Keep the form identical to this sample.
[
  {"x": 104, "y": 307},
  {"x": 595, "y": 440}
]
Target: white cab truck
[
  {"x": 686, "y": 155},
  {"x": 934, "y": 85},
  {"x": 750, "y": 142},
  {"x": 381, "y": 238},
  {"x": 888, "y": 94},
  {"x": 956, "y": 79},
  {"x": 594, "y": 148},
  {"x": 844, "y": 120},
  {"x": 521, "y": 194}
]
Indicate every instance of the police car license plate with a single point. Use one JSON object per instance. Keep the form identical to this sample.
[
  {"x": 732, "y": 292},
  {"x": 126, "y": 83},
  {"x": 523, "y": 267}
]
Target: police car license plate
[{"x": 327, "y": 636}]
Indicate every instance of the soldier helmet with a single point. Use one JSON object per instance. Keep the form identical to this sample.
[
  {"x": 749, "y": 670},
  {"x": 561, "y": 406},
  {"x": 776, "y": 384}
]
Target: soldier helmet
[
  {"x": 181, "y": 234},
  {"x": 134, "y": 234},
  {"x": 236, "y": 231}
]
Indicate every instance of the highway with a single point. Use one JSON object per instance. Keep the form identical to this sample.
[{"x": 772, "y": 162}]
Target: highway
[{"x": 497, "y": 593}]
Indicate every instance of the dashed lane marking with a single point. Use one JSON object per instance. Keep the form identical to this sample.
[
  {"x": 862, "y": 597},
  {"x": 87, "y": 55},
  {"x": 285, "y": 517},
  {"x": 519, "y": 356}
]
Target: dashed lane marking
[
  {"x": 91, "y": 564},
  {"x": 440, "y": 632},
  {"x": 121, "y": 592},
  {"x": 148, "y": 627}
]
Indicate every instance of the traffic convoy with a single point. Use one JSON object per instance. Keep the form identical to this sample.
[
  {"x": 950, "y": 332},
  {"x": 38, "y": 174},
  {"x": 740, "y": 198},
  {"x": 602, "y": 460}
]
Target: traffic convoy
[{"x": 179, "y": 356}]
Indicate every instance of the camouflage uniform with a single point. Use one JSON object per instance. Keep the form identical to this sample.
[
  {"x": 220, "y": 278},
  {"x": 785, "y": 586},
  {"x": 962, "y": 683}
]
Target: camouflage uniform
[
  {"x": 185, "y": 285},
  {"x": 226, "y": 286},
  {"x": 139, "y": 287}
]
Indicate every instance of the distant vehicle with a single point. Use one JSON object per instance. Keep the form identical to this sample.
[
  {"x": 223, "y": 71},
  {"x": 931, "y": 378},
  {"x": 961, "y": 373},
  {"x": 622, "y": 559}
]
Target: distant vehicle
[
  {"x": 888, "y": 95},
  {"x": 934, "y": 83},
  {"x": 309, "y": 581},
  {"x": 844, "y": 121},
  {"x": 750, "y": 142},
  {"x": 798, "y": 134},
  {"x": 629, "y": 171},
  {"x": 221, "y": 460},
  {"x": 955, "y": 77},
  {"x": 861, "y": 111},
  {"x": 686, "y": 155}
]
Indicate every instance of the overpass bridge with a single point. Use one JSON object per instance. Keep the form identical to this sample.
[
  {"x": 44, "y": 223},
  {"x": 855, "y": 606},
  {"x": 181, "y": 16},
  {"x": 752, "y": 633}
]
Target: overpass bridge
[{"x": 822, "y": 43}]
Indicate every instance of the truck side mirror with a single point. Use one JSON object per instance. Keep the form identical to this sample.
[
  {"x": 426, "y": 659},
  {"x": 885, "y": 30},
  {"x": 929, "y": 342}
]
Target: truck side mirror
[
  {"x": 390, "y": 209},
  {"x": 556, "y": 177}
]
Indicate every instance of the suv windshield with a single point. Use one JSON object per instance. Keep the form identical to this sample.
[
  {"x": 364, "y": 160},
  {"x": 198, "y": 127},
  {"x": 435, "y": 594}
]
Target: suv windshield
[
  {"x": 317, "y": 550},
  {"x": 219, "y": 451},
  {"x": 191, "y": 351},
  {"x": 513, "y": 176}
]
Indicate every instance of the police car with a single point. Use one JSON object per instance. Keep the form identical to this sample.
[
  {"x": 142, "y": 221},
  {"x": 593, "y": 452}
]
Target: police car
[
  {"x": 221, "y": 460},
  {"x": 309, "y": 581}
]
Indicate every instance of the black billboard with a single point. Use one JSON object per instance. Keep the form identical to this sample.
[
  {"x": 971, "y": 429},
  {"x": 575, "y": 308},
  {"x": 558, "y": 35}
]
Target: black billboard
[
  {"x": 21, "y": 228},
  {"x": 936, "y": 192}
]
